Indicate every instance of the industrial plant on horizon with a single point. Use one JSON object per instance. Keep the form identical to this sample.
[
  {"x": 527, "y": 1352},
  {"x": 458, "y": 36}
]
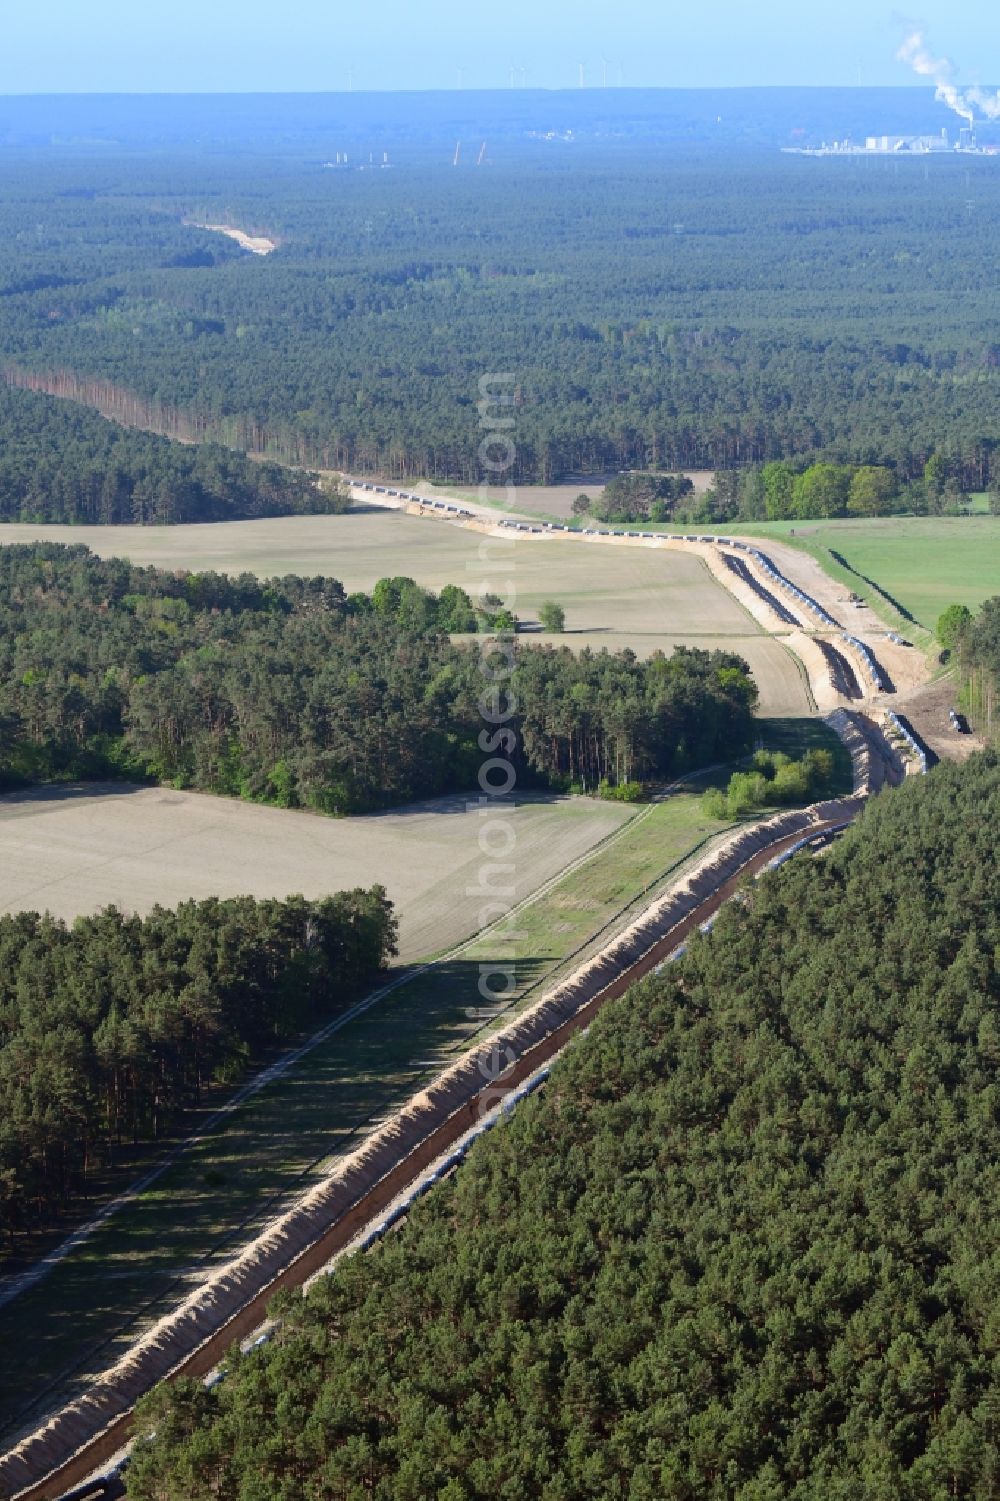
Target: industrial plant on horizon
[
  {"x": 966, "y": 100},
  {"x": 902, "y": 145}
]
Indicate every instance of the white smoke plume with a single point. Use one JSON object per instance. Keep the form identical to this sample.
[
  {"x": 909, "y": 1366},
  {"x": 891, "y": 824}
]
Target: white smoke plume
[{"x": 964, "y": 102}]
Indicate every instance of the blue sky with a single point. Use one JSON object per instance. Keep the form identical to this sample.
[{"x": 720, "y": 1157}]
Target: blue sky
[{"x": 166, "y": 45}]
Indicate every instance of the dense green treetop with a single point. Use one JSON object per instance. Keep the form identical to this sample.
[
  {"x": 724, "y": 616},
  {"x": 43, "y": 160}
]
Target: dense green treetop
[
  {"x": 975, "y": 642},
  {"x": 287, "y": 691},
  {"x": 108, "y": 1027},
  {"x": 61, "y": 462},
  {"x": 743, "y": 1246},
  {"x": 680, "y": 307}
]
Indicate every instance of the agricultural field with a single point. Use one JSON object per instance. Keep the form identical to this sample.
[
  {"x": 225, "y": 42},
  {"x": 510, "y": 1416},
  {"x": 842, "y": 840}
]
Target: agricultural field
[
  {"x": 923, "y": 563},
  {"x": 626, "y": 589},
  {"x": 282, "y": 1139},
  {"x": 73, "y": 849},
  {"x": 613, "y": 596}
]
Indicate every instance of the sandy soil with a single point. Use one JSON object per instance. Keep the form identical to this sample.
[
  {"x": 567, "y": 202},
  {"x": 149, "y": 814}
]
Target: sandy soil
[
  {"x": 811, "y": 655},
  {"x": 810, "y": 577},
  {"x": 906, "y": 666},
  {"x": 748, "y": 597},
  {"x": 927, "y": 708},
  {"x": 256, "y": 244},
  {"x": 71, "y": 850}
]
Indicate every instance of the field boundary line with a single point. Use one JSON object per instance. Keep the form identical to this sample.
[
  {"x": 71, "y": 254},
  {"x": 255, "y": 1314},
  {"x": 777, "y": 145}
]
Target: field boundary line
[{"x": 803, "y": 673}]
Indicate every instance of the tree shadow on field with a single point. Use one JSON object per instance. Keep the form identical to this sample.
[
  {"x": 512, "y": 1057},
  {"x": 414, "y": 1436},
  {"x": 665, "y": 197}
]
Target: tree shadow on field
[
  {"x": 63, "y": 792},
  {"x": 465, "y": 803},
  {"x": 476, "y": 990},
  {"x": 244, "y": 1171}
]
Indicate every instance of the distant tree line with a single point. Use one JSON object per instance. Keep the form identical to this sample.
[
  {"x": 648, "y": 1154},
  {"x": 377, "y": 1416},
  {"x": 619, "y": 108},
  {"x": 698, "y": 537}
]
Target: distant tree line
[
  {"x": 744, "y": 1242},
  {"x": 770, "y": 312},
  {"x": 636, "y": 497},
  {"x": 783, "y": 491},
  {"x": 110, "y": 1027},
  {"x": 287, "y": 691},
  {"x": 61, "y": 462}
]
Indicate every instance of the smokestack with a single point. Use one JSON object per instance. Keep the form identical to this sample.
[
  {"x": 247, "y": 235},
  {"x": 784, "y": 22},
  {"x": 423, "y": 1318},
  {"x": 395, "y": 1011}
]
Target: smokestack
[{"x": 941, "y": 71}]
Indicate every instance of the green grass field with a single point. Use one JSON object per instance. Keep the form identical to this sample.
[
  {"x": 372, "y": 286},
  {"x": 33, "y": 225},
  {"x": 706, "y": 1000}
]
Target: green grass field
[
  {"x": 904, "y": 566},
  {"x": 923, "y": 563}
]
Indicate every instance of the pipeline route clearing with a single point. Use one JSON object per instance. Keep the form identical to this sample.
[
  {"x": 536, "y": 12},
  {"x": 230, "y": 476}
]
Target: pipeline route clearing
[{"x": 190, "y": 1341}]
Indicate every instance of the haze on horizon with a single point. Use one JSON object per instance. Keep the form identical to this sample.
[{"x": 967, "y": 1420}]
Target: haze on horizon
[{"x": 306, "y": 45}]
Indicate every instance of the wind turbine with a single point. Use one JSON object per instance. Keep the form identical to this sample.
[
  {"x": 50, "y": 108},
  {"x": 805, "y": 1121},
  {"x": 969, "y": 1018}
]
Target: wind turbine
[
  {"x": 583, "y": 83},
  {"x": 604, "y": 65}
]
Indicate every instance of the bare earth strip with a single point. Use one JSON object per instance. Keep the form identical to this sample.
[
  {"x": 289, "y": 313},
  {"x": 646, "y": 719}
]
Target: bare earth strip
[
  {"x": 72, "y": 850},
  {"x": 256, "y": 244}
]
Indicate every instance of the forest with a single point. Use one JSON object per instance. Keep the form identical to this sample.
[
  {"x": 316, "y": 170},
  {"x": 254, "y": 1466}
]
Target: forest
[
  {"x": 772, "y": 779},
  {"x": 744, "y": 1242},
  {"x": 783, "y": 491},
  {"x": 287, "y": 691},
  {"x": 61, "y": 462},
  {"x": 975, "y": 647},
  {"x": 663, "y": 309},
  {"x": 110, "y": 1027}
]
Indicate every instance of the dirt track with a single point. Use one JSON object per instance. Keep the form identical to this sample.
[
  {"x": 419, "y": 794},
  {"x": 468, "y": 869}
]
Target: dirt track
[{"x": 256, "y": 244}]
